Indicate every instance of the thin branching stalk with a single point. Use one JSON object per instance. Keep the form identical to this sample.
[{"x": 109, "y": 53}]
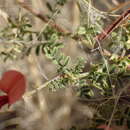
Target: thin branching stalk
[
  {"x": 113, "y": 26},
  {"x": 42, "y": 16}
]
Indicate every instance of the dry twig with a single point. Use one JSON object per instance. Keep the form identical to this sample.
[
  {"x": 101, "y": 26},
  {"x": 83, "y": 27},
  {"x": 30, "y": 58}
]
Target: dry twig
[
  {"x": 113, "y": 26},
  {"x": 42, "y": 17}
]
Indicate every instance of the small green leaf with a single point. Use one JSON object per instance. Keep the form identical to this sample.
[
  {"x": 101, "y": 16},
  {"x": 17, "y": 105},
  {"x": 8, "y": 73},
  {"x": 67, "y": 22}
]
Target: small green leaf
[
  {"x": 66, "y": 61},
  {"x": 82, "y": 31},
  {"x": 49, "y": 6},
  {"x": 38, "y": 50}
]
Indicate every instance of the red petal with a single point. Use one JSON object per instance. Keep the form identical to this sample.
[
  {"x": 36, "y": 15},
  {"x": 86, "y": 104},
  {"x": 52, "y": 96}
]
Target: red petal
[
  {"x": 3, "y": 100},
  {"x": 13, "y": 83}
]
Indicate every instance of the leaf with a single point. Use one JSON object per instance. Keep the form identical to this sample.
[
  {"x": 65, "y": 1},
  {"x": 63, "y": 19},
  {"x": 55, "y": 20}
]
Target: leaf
[
  {"x": 66, "y": 61},
  {"x": 49, "y": 6},
  {"x": 82, "y": 31},
  {"x": 13, "y": 83},
  {"x": 38, "y": 50}
]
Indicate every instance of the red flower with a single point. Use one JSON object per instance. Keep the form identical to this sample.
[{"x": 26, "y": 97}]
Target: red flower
[{"x": 13, "y": 83}]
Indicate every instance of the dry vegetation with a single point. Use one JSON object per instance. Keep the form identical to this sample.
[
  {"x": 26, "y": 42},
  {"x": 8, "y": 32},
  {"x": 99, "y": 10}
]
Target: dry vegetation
[{"x": 65, "y": 92}]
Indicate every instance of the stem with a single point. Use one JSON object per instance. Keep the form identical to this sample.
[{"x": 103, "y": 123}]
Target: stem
[
  {"x": 41, "y": 16},
  {"x": 113, "y": 26},
  {"x": 30, "y": 94}
]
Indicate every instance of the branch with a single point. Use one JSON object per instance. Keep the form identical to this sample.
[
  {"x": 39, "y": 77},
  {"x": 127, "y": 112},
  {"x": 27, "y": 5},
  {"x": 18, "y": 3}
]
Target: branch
[
  {"x": 30, "y": 94},
  {"x": 98, "y": 38},
  {"x": 112, "y": 27},
  {"x": 39, "y": 15}
]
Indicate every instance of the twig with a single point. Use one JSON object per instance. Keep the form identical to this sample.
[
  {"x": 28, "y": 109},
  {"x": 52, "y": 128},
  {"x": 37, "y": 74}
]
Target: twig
[
  {"x": 39, "y": 15},
  {"x": 112, "y": 27},
  {"x": 30, "y": 94},
  {"x": 99, "y": 37},
  {"x": 116, "y": 103},
  {"x": 120, "y": 6}
]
